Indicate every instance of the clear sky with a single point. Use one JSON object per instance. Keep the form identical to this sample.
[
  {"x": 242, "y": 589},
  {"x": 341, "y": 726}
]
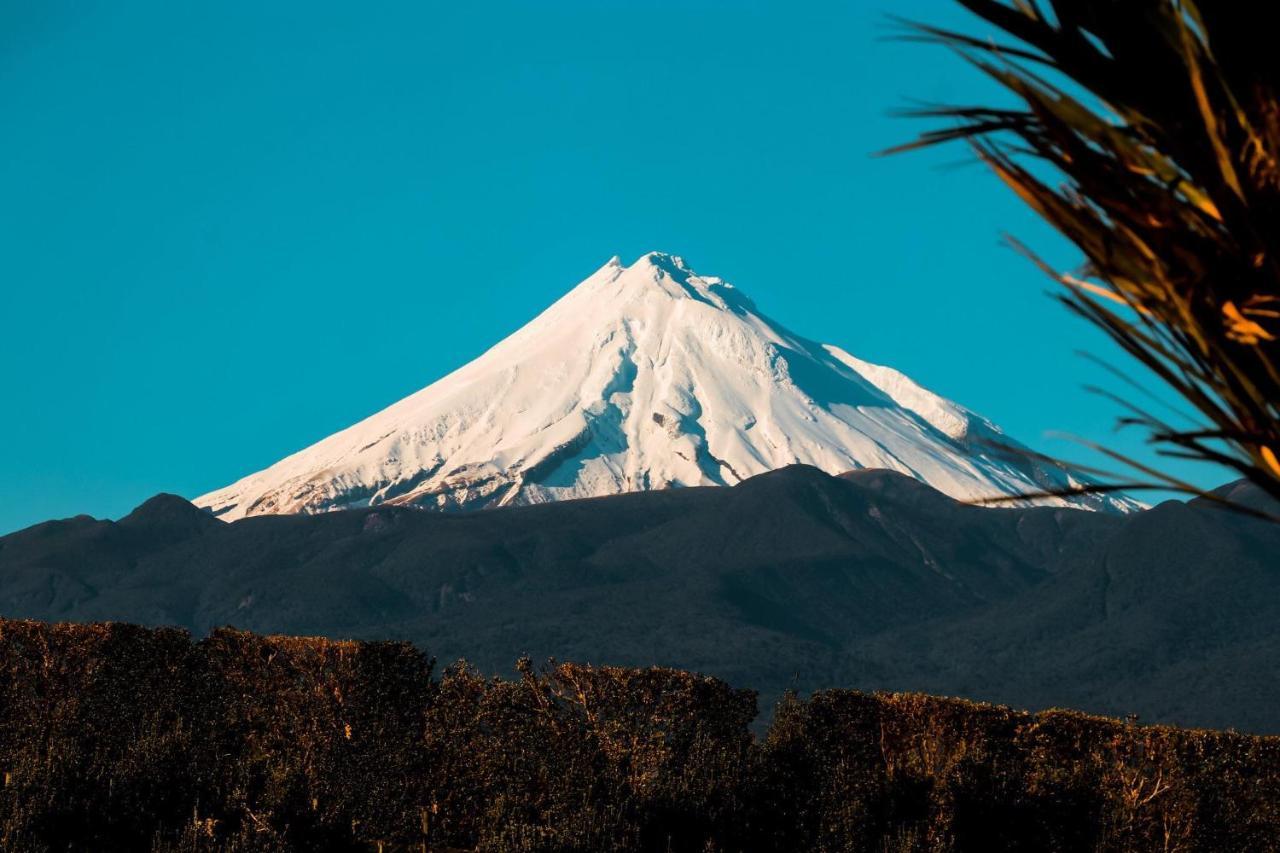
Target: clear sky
[{"x": 229, "y": 229}]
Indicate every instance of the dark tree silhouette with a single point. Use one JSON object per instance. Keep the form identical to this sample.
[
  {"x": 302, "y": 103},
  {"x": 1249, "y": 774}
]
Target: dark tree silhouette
[{"x": 1160, "y": 120}]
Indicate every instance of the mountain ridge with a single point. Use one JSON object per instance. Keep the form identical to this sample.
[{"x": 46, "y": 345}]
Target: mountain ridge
[{"x": 791, "y": 579}]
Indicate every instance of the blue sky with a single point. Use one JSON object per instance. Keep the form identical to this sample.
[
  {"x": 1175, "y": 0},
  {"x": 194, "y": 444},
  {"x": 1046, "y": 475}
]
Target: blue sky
[{"x": 229, "y": 229}]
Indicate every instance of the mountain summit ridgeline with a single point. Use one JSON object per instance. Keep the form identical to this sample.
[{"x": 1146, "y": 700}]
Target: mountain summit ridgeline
[{"x": 642, "y": 377}]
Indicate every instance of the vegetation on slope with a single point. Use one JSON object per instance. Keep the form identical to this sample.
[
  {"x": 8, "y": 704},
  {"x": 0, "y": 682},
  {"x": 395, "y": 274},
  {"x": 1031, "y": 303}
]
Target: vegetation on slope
[{"x": 119, "y": 737}]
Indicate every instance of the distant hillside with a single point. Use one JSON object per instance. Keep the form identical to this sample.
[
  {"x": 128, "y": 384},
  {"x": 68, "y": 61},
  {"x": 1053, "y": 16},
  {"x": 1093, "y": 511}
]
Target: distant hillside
[
  {"x": 117, "y": 738},
  {"x": 792, "y": 578}
]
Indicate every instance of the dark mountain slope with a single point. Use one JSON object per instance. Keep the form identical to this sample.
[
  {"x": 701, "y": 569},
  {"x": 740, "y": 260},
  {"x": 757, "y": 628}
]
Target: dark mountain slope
[
  {"x": 1173, "y": 618},
  {"x": 791, "y": 578}
]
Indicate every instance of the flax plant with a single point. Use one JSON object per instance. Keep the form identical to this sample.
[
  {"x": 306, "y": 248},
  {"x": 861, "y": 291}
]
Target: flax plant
[{"x": 1147, "y": 132}]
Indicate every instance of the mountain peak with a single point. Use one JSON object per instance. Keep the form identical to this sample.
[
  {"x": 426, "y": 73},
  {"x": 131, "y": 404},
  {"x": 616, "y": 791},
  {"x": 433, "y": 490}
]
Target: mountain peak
[
  {"x": 647, "y": 376},
  {"x": 658, "y": 274},
  {"x": 664, "y": 261}
]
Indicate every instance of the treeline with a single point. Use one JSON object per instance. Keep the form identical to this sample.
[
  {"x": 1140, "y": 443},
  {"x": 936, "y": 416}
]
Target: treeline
[{"x": 115, "y": 737}]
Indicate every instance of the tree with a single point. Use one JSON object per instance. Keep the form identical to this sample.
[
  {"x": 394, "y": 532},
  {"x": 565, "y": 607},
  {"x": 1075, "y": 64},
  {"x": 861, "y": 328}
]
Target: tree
[{"x": 1161, "y": 121}]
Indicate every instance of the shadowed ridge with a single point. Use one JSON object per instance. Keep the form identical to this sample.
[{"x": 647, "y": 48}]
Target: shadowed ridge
[
  {"x": 817, "y": 494},
  {"x": 169, "y": 517},
  {"x": 1242, "y": 493},
  {"x": 791, "y": 579},
  {"x": 166, "y": 507},
  {"x": 797, "y": 473},
  {"x": 53, "y": 527},
  {"x": 897, "y": 486}
]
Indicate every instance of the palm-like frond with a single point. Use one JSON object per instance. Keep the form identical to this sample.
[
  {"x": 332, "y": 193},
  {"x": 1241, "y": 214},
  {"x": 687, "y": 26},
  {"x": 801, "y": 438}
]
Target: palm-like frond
[{"x": 1170, "y": 153}]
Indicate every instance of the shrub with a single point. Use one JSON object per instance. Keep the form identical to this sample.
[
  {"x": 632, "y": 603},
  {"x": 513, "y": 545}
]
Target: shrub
[{"x": 114, "y": 737}]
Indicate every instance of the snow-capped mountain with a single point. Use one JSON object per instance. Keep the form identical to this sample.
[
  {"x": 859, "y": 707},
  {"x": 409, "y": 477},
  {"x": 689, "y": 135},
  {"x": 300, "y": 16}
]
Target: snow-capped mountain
[{"x": 646, "y": 376}]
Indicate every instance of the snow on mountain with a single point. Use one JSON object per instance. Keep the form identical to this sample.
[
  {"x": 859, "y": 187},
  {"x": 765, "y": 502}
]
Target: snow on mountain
[{"x": 646, "y": 376}]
